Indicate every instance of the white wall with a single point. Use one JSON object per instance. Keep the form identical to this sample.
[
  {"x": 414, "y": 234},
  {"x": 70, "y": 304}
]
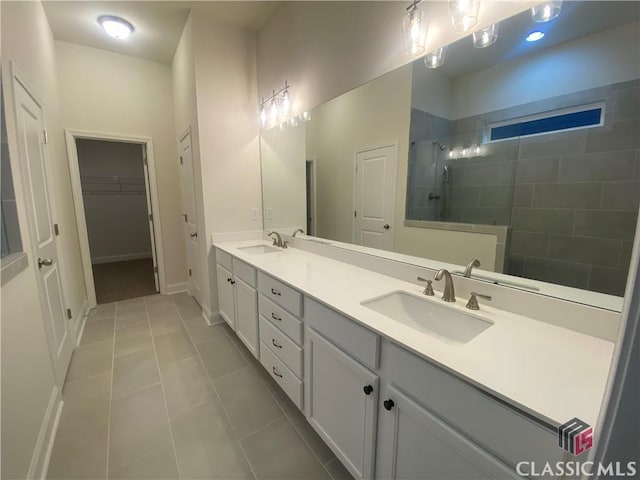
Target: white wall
[
  {"x": 325, "y": 49},
  {"x": 117, "y": 223},
  {"x": 283, "y": 157},
  {"x": 27, "y": 376},
  {"x": 615, "y": 52},
  {"x": 432, "y": 91},
  {"x": 227, "y": 157},
  {"x": 111, "y": 93}
]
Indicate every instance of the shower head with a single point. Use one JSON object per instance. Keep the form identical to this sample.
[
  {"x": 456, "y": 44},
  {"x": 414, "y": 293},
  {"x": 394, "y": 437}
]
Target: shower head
[{"x": 440, "y": 146}]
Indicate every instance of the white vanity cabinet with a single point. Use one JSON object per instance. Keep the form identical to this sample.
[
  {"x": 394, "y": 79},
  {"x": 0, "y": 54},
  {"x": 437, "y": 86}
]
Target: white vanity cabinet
[
  {"x": 280, "y": 308},
  {"x": 434, "y": 425},
  {"x": 238, "y": 298},
  {"x": 341, "y": 393}
]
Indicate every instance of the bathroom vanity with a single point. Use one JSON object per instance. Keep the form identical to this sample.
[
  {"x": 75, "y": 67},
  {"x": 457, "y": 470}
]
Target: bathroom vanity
[{"x": 404, "y": 385}]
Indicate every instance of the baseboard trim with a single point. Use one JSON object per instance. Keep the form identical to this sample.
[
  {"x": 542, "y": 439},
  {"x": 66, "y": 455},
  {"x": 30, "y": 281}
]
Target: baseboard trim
[
  {"x": 46, "y": 437},
  {"x": 216, "y": 319},
  {"x": 176, "y": 288},
  {"x": 81, "y": 320},
  {"x": 121, "y": 258}
]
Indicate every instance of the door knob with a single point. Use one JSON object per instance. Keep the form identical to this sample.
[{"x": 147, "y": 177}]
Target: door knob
[
  {"x": 386, "y": 226},
  {"x": 389, "y": 404},
  {"x": 194, "y": 234},
  {"x": 45, "y": 262}
]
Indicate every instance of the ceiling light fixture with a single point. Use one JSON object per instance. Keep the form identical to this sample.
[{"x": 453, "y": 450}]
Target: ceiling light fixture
[
  {"x": 534, "y": 36},
  {"x": 464, "y": 14},
  {"x": 485, "y": 37},
  {"x": 546, "y": 11},
  {"x": 116, "y": 27},
  {"x": 414, "y": 28},
  {"x": 435, "y": 59}
]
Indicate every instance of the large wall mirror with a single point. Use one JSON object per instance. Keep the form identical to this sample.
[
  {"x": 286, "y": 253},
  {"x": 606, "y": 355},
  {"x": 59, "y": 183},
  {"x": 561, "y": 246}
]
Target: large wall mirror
[{"x": 523, "y": 154}]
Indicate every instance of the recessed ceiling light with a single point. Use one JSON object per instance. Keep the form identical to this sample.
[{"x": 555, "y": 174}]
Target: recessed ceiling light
[
  {"x": 115, "y": 26},
  {"x": 534, "y": 36}
]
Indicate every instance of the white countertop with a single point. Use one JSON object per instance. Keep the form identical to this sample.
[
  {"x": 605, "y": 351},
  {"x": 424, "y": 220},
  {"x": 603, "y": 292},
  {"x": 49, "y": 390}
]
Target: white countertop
[{"x": 552, "y": 373}]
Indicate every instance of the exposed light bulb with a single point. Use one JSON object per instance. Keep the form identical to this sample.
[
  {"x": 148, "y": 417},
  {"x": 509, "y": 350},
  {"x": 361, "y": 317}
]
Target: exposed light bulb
[
  {"x": 436, "y": 58},
  {"x": 305, "y": 116},
  {"x": 485, "y": 37},
  {"x": 294, "y": 121},
  {"x": 285, "y": 104},
  {"x": 115, "y": 27},
  {"x": 273, "y": 112},
  {"x": 546, "y": 11},
  {"x": 263, "y": 116}
]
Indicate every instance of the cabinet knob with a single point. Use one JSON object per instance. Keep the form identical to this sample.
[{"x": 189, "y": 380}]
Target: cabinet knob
[
  {"x": 368, "y": 389},
  {"x": 233, "y": 282},
  {"x": 389, "y": 404},
  {"x": 228, "y": 280}
]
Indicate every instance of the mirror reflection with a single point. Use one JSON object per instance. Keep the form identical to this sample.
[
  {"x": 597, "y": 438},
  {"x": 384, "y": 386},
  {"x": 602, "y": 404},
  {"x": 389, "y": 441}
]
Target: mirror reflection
[{"x": 522, "y": 154}]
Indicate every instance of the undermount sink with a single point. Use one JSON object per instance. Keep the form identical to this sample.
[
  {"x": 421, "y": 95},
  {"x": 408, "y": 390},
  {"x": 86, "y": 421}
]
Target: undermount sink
[
  {"x": 427, "y": 317},
  {"x": 258, "y": 249}
]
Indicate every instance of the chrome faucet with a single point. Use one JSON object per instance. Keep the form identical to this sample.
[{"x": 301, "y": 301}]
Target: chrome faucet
[
  {"x": 277, "y": 240},
  {"x": 449, "y": 294},
  {"x": 298, "y": 231},
  {"x": 473, "y": 263},
  {"x": 472, "y": 304}
]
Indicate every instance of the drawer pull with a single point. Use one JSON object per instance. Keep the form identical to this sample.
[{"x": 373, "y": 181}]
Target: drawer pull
[
  {"x": 275, "y": 372},
  {"x": 368, "y": 389},
  {"x": 275, "y": 292},
  {"x": 233, "y": 282},
  {"x": 273, "y": 342},
  {"x": 389, "y": 404},
  {"x": 275, "y": 317}
]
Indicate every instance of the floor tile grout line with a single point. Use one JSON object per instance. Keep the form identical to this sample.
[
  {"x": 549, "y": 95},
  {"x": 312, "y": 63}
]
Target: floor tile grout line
[
  {"x": 126, "y": 464},
  {"x": 224, "y": 410},
  {"x": 164, "y": 397},
  {"x": 264, "y": 427}
]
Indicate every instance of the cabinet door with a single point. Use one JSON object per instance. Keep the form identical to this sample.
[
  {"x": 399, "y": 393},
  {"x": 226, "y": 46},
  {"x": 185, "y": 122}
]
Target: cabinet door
[
  {"x": 225, "y": 296},
  {"x": 413, "y": 443},
  {"x": 341, "y": 407},
  {"x": 247, "y": 315}
]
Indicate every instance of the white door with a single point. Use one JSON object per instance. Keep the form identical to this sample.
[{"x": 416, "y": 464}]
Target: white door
[
  {"x": 247, "y": 315},
  {"x": 341, "y": 398},
  {"x": 190, "y": 221},
  {"x": 226, "y": 302},
  {"x": 413, "y": 443},
  {"x": 31, "y": 138},
  {"x": 150, "y": 216},
  {"x": 375, "y": 179}
]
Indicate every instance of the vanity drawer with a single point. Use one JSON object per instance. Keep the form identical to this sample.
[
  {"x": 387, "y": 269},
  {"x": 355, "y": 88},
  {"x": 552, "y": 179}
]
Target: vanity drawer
[
  {"x": 280, "y": 293},
  {"x": 224, "y": 259},
  {"x": 281, "y": 318},
  {"x": 245, "y": 272},
  {"x": 282, "y": 346},
  {"x": 353, "y": 338},
  {"x": 291, "y": 384},
  {"x": 487, "y": 420}
]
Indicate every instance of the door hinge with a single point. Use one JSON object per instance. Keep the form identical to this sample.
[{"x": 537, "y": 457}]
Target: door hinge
[
  {"x": 189, "y": 272},
  {"x": 355, "y": 214},
  {"x": 69, "y": 315},
  {"x": 186, "y": 218},
  {"x": 144, "y": 154},
  {"x": 155, "y": 269},
  {"x": 181, "y": 161},
  {"x": 151, "y": 217},
  {"x": 45, "y": 137},
  {"x": 56, "y": 230}
]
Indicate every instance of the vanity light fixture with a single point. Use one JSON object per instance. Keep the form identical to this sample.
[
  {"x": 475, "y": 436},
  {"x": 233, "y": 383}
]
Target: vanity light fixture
[
  {"x": 534, "y": 36},
  {"x": 278, "y": 105},
  {"x": 414, "y": 29},
  {"x": 485, "y": 37},
  {"x": 115, "y": 27},
  {"x": 305, "y": 116},
  {"x": 436, "y": 58},
  {"x": 464, "y": 14},
  {"x": 546, "y": 11}
]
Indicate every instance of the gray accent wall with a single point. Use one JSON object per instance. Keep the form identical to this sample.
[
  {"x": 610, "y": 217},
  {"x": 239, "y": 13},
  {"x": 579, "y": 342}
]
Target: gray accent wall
[{"x": 570, "y": 198}]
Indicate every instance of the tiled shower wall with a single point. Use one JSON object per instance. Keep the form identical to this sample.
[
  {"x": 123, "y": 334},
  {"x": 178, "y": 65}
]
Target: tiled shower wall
[{"x": 570, "y": 198}]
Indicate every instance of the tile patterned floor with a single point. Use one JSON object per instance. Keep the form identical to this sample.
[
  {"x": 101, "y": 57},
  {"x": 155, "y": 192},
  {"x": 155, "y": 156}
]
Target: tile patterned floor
[
  {"x": 123, "y": 280},
  {"x": 153, "y": 392}
]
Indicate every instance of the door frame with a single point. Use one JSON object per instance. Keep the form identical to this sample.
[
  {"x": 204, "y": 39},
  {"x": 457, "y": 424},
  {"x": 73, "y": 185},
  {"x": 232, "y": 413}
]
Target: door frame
[
  {"x": 71, "y": 135},
  {"x": 393, "y": 144},
  {"x": 314, "y": 211}
]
